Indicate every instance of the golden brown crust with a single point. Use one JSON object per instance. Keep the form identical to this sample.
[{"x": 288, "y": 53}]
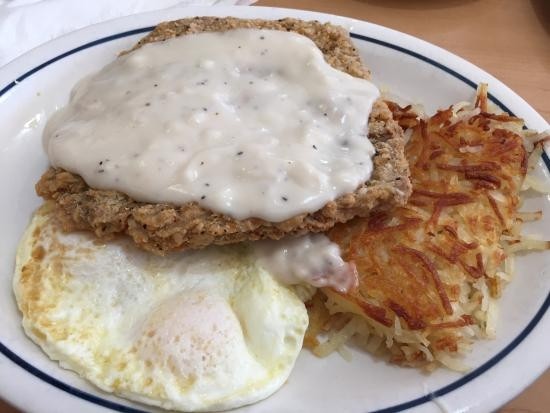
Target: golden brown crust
[
  {"x": 332, "y": 40},
  {"x": 428, "y": 261},
  {"x": 162, "y": 228}
]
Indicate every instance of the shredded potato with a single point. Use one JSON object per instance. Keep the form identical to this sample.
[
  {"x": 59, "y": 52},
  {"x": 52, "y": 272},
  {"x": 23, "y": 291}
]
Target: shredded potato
[
  {"x": 526, "y": 244},
  {"x": 532, "y": 182},
  {"x": 337, "y": 339},
  {"x": 529, "y": 216},
  {"x": 430, "y": 273}
]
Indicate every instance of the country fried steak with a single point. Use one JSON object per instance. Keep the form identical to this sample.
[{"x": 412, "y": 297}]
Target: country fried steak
[{"x": 162, "y": 227}]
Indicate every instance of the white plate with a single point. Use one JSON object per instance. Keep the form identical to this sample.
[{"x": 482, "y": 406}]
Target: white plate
[{"x": 409, "y": 67}]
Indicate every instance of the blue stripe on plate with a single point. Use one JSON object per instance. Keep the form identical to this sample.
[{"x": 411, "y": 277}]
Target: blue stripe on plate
[
  {"x": 433, "y": 63},
  {"x": 392, "y": 409},
  {"x": 73, "y": 51},
  {"x": 446, "y": 69},
  {"x": 66, "y": 387}
]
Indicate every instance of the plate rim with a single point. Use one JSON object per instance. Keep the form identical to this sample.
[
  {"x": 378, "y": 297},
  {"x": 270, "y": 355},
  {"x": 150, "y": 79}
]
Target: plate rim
[{"x": 46, "y": 48}]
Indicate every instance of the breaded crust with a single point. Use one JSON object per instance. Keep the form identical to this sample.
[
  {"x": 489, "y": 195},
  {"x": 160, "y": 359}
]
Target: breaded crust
[{"x": 162, "y": 228}]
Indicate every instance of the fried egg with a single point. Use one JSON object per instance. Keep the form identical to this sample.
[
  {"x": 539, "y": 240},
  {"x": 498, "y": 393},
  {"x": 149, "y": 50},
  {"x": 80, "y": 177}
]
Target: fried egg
[{"x": 194, "y": 331}]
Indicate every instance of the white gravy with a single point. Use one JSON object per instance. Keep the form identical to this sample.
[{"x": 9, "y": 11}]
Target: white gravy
[
  {"x": 311, "y": 259},
  {"x": 249, "y": 123}
]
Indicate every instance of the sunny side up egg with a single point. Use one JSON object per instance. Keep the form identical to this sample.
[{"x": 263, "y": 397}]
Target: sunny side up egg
[{"x": 205, "y": 330}]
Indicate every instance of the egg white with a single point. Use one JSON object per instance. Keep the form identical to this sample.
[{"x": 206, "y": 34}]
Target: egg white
[{"x": 196, "y": 331}]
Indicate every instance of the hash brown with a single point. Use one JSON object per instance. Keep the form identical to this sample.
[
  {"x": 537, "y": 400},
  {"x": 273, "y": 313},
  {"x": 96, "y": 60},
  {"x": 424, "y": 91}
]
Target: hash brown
[{"x": 429, "y": 272}]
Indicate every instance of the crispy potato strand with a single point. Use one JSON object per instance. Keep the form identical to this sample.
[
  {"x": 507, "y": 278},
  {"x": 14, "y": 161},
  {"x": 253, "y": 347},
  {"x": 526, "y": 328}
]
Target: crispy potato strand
[{"x": 418, "y": 263}]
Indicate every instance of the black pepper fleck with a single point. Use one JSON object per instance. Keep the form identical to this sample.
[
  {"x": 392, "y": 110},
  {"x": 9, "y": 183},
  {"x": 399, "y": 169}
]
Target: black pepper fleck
[
  {"x": 207, "y": 184},
  {"x": 148, "y": 104},
  {"x": 101, "y": 171},
  {"x": 325, "y": 114},
  {"x": 240, "y": 153},
  {"x": 217, "y": 113},
  {"x": 202, "y": 162},
  {"x": 284, "y": 198},
  {"x": 155, "y": 85},
  {"x": 262, "y": 37},
  {"x": 203, "y": 197},
  {"x": 314, "y": 147},
  {"x": 205, "y": 109},
  {"x": 251, "y": 82}
]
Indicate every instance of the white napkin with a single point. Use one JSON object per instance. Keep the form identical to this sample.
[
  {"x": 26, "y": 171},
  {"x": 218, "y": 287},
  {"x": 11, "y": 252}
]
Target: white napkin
[{"x": 25, "y": 24}]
